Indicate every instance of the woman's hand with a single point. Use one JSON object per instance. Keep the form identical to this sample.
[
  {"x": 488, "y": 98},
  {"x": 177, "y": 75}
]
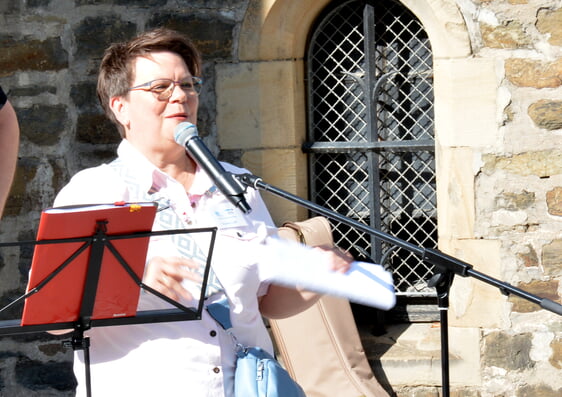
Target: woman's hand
[
  {"x": 166, "y": 275},
  {"x": 340, "y": 259}
]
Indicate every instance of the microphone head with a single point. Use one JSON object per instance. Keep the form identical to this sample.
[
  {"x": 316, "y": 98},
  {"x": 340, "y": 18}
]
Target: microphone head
[{"x": 184, "y": 132}]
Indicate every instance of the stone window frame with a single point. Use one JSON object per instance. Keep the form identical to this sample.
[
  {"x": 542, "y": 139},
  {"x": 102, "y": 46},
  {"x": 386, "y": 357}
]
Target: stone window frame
[{"x": 261, "y": 112}]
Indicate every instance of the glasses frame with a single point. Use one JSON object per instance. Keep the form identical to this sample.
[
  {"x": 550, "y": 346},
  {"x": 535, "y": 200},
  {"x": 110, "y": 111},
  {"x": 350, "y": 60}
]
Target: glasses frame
[{"x": 195, "y": 89}]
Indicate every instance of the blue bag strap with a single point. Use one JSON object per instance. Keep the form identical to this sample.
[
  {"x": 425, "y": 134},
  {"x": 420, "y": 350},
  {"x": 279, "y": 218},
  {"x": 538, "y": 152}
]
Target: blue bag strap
[{"x": 220, "y": 311}]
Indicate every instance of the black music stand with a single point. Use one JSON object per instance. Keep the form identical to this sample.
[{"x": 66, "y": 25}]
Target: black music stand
[
  {"x": 446, "y": 266},
  {"x": 98, "y": 243}
]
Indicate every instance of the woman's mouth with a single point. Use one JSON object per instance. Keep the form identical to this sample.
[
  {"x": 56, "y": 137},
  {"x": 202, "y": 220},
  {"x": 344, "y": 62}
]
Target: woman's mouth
[{"x": 178, "y": 116}]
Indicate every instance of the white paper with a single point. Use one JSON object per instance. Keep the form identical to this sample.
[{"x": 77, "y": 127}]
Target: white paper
[{"x": 365, "y": 283}]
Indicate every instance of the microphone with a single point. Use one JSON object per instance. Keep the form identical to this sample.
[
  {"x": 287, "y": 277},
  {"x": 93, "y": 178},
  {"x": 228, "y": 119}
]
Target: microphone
[{"x": 186, "y": 135}]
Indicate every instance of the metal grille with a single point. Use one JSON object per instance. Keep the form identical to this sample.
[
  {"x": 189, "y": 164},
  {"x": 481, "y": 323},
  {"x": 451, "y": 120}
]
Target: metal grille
[{"x": 371, "y": 142}]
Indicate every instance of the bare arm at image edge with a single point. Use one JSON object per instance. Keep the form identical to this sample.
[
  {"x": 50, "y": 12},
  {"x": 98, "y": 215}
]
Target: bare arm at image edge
[{"x": 9, "y": 143}]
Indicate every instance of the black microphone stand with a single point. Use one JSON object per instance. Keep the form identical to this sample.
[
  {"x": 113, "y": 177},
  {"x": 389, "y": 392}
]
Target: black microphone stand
[{"x": 446, "y": 266}]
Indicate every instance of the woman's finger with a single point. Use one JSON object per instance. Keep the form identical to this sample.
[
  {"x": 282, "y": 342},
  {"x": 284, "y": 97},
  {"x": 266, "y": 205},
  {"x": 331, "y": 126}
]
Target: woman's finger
[{"x": 166, "y": 275}]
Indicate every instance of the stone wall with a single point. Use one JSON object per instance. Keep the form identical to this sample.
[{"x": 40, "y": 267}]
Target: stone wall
[
  {"x": 498, "y": 102},
  {"x": 517, "y": 179},
  {"x": 522, "y": 176}
]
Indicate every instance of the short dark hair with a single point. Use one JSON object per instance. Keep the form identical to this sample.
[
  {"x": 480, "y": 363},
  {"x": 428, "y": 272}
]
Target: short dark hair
[{"x": 116, "y": 72}]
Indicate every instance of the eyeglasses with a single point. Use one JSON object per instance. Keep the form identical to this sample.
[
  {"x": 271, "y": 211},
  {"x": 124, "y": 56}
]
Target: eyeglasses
[{"x": 164, "y": 88}]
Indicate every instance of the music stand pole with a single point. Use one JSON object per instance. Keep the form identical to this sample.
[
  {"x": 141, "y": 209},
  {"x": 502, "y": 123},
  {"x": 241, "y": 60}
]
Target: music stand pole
[{"x": 79, "y": 342}]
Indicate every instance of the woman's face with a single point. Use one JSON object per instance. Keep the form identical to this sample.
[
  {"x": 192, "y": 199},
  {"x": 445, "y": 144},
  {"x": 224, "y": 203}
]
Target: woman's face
[{"x": 149, "y": 122}]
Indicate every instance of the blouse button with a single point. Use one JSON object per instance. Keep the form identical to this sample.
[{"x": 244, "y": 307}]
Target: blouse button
[
  {"x": 213, "y": 333},
  {"x": 216, "y": 370}
]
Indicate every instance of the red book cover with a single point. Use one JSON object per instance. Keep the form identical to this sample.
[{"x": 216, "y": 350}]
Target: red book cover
[{"x": 60, "y": 299}]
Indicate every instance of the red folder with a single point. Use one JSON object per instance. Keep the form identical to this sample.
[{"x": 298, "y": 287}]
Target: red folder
[{"x": 60, "y": 299}]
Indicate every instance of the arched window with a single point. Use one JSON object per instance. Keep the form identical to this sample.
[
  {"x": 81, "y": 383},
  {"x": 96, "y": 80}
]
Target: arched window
[{"x": 371, "y": 131}]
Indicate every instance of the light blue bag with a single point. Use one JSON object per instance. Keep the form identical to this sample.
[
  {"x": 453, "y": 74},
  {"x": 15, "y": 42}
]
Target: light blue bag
[{"x": 257, "y": 374}]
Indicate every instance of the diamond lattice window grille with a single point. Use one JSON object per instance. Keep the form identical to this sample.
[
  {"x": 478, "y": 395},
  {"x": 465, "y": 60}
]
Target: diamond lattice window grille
[{"x": 371, "y": 83}]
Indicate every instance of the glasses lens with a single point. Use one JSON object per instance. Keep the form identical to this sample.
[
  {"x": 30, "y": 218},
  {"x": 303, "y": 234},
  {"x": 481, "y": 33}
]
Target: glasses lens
[
  {"x": 197, "y": 84},
  {"x": 192, "y": 87},
  {"x": 160, "y": 86},
  {"x": 163, "y": 88}
]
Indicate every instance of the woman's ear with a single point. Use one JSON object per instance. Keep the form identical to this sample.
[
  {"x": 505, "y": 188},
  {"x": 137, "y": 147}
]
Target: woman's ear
[{"x": 120, "y": 109}]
